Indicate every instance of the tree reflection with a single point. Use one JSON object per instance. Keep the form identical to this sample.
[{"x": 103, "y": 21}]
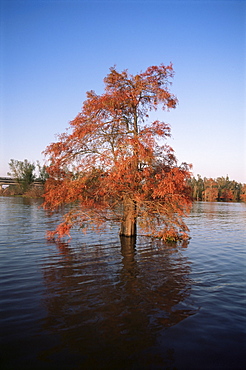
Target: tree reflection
[{"x": 108, "y": 311}]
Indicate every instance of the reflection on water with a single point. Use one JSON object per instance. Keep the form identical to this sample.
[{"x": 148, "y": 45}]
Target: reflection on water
[
  {"x": 109, "y": 311},
  {"x": 100, "y": 302}
]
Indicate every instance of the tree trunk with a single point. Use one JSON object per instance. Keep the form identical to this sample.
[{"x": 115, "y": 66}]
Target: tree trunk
[{"x": 129, "y": 221}]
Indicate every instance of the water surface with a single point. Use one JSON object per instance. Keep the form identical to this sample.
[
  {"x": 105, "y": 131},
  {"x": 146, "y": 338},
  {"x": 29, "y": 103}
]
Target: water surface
[{"x": 97, "y": 303}]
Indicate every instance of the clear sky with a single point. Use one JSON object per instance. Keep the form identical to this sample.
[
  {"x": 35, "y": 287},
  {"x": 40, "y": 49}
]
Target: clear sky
[{"x": 52, "y": 52}]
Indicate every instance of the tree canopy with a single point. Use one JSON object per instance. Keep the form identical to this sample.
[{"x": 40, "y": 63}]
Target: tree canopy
[
  {"x": 22, "y": 172},
  {"x": 112, "y": 164}
]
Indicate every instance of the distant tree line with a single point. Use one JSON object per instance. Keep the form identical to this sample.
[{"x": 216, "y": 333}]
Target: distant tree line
[{"x": 221, "y": 189}]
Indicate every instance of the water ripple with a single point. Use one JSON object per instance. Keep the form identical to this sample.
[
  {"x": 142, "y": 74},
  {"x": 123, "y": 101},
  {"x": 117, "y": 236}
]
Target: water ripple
[{"x": 97, "y": 303}]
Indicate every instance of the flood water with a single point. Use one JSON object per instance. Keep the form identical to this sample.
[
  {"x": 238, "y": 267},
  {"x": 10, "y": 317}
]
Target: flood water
[{"x": 97, "y": 303}]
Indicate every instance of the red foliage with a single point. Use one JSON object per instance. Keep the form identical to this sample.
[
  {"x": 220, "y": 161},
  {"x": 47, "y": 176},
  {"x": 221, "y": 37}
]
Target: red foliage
[
  {"x": 111, "y": 159},
  {"x": 243, "y": 194},
  {"x": 210, "y": 194}
]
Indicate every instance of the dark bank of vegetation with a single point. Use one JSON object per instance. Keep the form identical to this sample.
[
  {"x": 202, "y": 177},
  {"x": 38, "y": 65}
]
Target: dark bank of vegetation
[{"x": 221, "y": 189}]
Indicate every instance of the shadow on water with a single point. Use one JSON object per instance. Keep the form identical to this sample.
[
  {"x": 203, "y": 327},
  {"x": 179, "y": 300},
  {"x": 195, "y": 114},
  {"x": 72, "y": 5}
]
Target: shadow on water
[{"x": 107, "y": 304}]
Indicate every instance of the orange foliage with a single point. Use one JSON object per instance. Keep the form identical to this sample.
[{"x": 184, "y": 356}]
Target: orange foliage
[
  {"x": 112, "y": 156},
  {"x": 243, "y": 195},
  {"x": 210, "y": 194},
  {"x": 227, "y": 195}
]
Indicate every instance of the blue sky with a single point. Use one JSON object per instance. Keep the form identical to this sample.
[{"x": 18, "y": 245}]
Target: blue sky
[{"x": 52, "y": 52}]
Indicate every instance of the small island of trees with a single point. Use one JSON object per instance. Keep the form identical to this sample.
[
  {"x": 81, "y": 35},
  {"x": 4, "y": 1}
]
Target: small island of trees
[{"x": 112, "y": 166}]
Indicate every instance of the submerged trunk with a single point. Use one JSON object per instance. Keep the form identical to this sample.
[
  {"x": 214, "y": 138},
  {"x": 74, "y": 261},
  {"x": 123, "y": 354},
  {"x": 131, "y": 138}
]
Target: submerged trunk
[{"x": 129, "y": 221}]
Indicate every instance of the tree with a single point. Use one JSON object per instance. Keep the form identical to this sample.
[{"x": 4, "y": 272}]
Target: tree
[
  {"x": 42, "y": 173},
  {"x": 112, "y": 166},
  {"x": 210, "y": 194},
  {"x": 22, "y": 172},
  {"x": 197, "y": 187},
  {"x": 243, "y": 193}
]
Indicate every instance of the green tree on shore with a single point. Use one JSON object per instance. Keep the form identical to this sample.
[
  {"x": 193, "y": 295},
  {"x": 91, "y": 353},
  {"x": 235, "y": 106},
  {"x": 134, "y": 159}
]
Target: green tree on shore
[
  {"x": 25, "y": 174},
  {"x": 22, "y": 172}
]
